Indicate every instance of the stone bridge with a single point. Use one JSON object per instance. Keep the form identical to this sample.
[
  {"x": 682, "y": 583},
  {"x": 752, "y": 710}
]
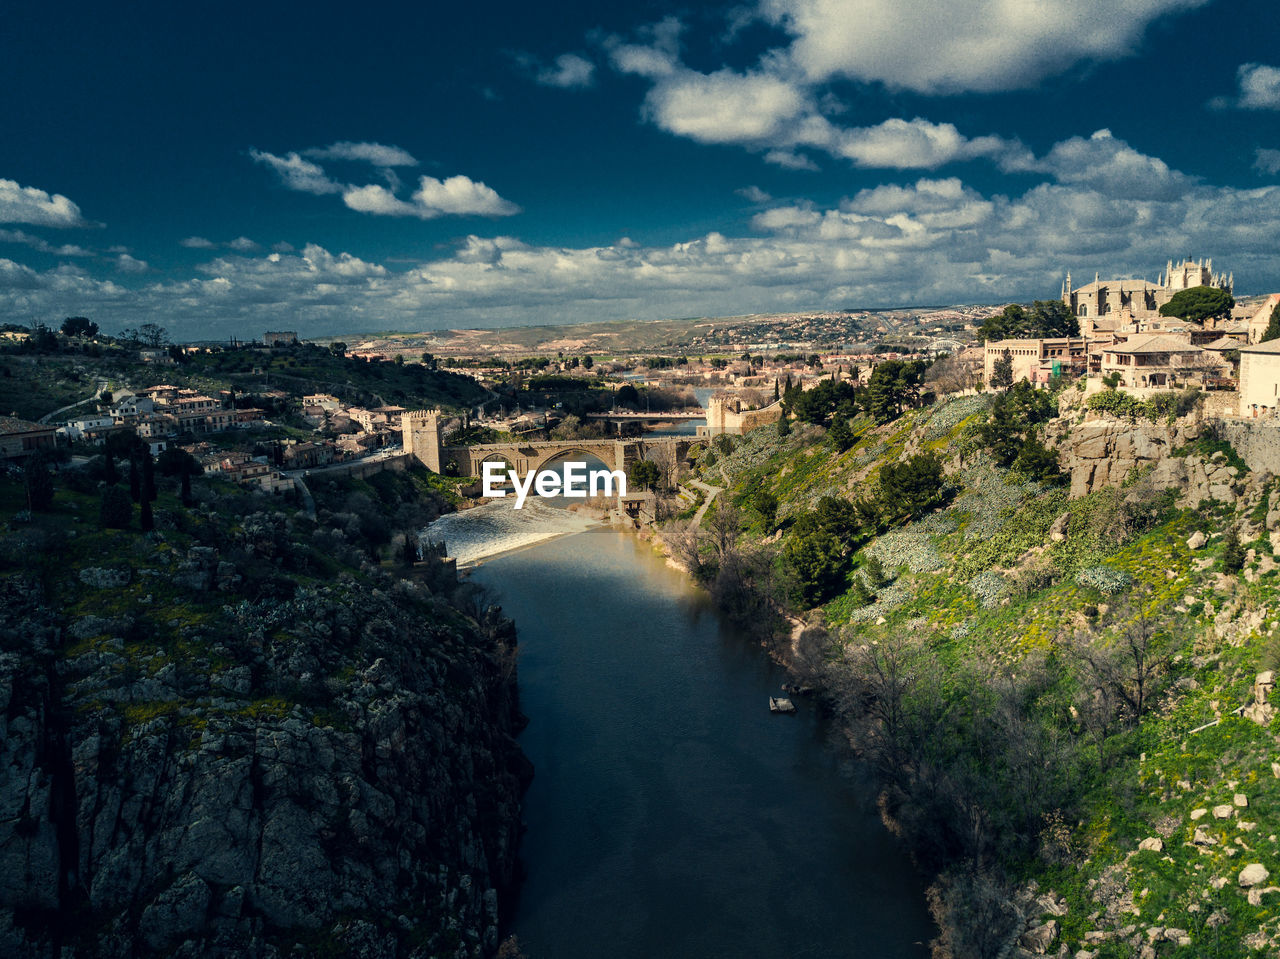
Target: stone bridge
[{"x": 422, "y": 439}]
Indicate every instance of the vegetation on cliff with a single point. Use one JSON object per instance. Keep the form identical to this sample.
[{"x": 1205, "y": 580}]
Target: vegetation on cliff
[
  {"x": 1048, "y": 687},
  {"x": 245, "y": 733}
]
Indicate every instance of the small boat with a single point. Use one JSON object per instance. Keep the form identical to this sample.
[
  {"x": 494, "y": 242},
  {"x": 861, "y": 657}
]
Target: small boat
[{"x": 779, "y": 705}]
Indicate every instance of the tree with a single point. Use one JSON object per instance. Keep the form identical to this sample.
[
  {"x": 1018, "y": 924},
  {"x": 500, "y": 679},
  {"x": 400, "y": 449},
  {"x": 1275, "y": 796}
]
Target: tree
[
  {"x": 766, "y": 506},
  {"x": 1199, "y": 304},
  {"x": 38, "y": 484},
  {"x": 645, "y": 473},
  {"x": 817, "y": 560},
  {"x": 1002, "y": 371},
  {"x": 1233, "y": 552},
  {"x": 1134, "y": 667},
  {"x": 338, "y": 348},
  {"x": 840, "y": 436},
  {"x": 1272, "y": 331},
  {"x": 627, "y": 396},
  {"x": 1011, "y": 423},
  {"x": 151, "y": 335},
  {"x": 910, "y": 487},
  {"x": 116, "y": 510},
  {"x": 892, "y": 386},
  {"x": 43, "y": 339},
  {"x": 79, "y": 326},
  {"x": 784, "y": 425},
  {"x": 1047, "y": 318},
  {"x": 587, "y": 362}
]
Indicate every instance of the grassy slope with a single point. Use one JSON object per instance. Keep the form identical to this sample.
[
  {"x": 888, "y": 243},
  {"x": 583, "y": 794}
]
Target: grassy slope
[{"x": 959, "y": 583}]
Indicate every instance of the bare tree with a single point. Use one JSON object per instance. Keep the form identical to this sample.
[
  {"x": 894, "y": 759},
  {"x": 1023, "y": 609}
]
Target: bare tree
[{"x": 1132, "y": 667}]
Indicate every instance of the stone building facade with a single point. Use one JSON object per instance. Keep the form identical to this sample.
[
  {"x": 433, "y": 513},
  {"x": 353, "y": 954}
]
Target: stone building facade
[
  {"x": 1141, "y": 299},
  {"x": 726, "y": 415}
]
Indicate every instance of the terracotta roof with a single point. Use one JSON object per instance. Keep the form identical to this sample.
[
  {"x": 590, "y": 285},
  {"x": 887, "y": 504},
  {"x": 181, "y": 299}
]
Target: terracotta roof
[
  {"x": 1271, "y": 346},
  {"x": 1222, "y": 343},
  {"x": 11, "y": 425},
  {"x": 1154, "y": 343}
]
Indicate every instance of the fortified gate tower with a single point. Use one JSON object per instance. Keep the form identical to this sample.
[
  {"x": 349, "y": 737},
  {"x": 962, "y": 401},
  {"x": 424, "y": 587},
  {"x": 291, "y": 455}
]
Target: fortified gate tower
[{"x": 421, "y": 429}]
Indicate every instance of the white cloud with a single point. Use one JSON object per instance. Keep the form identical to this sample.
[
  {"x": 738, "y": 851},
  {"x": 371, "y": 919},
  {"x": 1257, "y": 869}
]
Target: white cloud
[
  {"x": 790, "y": 160},
  {"x": 1259, "y": 89},
  {"x": 959, "y": 45},
  {"x": 777, "y": 111},
  {"x": 724, "y": 107},
  {"x": 242, "y": 244},
  {"x": 1114, "y": 168},
  {"x": 1267, "y": 161},
  {"x": 44, "y": 246},
  {"x": 935, "y": 239},
  {"x": 197, "y": 243},
  {"x": 375, "y": 198},
  {"x": 373, "y": 153},
  {"x": 461, "y": 195},
  {"x": 917, "y": 144},
  {"x": 753, "y": 194},
  {"x": 570, "y": 72},
  {"x": 129, "y": 264},
  {"x": 454, "y": 196},
  {"x": 26, "y": 204},
  {"x": 297, "y": 173}
]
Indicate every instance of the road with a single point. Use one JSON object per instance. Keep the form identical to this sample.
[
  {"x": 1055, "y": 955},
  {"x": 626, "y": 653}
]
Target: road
[
  {"x": 712, "y": 492},
  {"x": 89, "y": 399}
]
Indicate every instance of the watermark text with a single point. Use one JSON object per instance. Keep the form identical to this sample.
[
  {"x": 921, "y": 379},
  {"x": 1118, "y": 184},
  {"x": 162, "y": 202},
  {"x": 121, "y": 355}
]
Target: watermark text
[{"x": 577, "y": 482}]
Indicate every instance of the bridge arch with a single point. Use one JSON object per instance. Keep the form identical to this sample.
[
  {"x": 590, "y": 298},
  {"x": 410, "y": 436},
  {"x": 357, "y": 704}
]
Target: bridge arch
[{"x": 605, "y": 454}]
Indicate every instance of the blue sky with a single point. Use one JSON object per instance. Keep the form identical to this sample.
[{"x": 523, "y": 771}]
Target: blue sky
[{"x": 224, "y": 170}]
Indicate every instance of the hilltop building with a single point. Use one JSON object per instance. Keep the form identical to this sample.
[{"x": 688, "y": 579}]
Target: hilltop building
[
  {"x": 1103, "y": 305},
  {"x": 726, "y": 415},
  {"x": 1037, "y": 360},
  {"x": 280, "y": 337}
]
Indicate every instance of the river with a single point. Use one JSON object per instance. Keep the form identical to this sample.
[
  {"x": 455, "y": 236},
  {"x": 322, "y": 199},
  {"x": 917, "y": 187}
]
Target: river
[{"x": 671, "y": 814}]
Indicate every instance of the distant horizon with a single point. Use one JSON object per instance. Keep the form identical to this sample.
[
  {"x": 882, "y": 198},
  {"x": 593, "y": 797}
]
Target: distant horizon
[{"x": 484, "y": 168}]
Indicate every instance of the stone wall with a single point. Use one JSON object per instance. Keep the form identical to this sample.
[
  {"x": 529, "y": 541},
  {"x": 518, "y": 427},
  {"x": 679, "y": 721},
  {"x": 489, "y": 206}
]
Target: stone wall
[{"x": 1257, "y": 442}]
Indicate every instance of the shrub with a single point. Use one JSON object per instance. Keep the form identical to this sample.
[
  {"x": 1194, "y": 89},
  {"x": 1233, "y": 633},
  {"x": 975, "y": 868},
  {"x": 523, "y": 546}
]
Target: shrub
[{"x": 1104, "y": 579}]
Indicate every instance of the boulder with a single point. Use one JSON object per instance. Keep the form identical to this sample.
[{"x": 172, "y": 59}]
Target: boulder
[
  {"x": 1253, "y": 874},
  {"x": 1039, "y": 939},
  {"x": 1152, "y": 844},
  {"x": 1222, "y": 811},
  {"x": 1196, "y": 540}
]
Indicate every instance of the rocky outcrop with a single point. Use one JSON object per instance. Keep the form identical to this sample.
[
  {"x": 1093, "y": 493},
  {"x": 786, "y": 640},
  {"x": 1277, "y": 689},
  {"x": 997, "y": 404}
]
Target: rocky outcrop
[
  {"x": 186, "y": 772},
  {"x": 1103, "y": 451}
]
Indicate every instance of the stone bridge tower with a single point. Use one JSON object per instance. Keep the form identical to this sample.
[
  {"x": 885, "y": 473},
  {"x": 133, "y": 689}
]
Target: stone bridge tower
[{"x": 421, "y": 429}]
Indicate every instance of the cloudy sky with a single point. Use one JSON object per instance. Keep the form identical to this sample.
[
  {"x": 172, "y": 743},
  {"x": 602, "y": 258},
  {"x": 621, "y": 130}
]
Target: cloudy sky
[{"x": 225, "y": 169}]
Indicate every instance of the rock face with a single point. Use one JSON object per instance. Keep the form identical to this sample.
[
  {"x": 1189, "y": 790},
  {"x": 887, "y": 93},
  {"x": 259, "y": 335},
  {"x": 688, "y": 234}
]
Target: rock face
[
  {"x": 1102, "y": 451},
  {"x": 329, "y": 774}
]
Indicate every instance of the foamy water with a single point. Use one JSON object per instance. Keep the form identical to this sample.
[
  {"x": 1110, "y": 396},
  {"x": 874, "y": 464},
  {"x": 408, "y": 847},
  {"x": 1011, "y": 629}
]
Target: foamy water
[{"x": 474, "y": 535}]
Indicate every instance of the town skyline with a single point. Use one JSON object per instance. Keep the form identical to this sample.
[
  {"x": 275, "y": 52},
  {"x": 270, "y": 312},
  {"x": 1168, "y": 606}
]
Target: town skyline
[{"x": 466, "y": 169}]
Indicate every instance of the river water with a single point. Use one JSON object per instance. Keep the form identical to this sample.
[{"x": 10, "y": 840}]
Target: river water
[{"x": 671, "y": 814}]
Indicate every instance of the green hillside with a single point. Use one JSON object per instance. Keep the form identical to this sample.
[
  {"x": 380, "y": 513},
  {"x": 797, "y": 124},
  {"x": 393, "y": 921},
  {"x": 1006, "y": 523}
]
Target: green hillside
[{"x": 1033, "y": 677}]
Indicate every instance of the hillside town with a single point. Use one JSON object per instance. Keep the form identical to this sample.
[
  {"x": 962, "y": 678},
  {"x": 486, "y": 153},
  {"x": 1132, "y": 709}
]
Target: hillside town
[{"x": 1118, "y": 333}]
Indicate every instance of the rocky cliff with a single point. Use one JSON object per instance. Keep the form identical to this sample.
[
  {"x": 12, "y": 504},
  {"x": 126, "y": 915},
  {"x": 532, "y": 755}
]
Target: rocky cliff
[
  {"x": 1096, "y": 450},
  {"x": 228, "y": 742}
]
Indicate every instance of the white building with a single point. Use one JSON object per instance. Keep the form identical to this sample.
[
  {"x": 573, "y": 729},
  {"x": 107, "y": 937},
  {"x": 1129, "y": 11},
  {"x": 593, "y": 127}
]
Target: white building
[{"x": 1260, "y": 379}]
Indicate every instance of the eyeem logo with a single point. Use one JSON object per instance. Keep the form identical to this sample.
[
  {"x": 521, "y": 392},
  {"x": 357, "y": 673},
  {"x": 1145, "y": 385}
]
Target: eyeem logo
[{"x": 577, "y": 483}]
